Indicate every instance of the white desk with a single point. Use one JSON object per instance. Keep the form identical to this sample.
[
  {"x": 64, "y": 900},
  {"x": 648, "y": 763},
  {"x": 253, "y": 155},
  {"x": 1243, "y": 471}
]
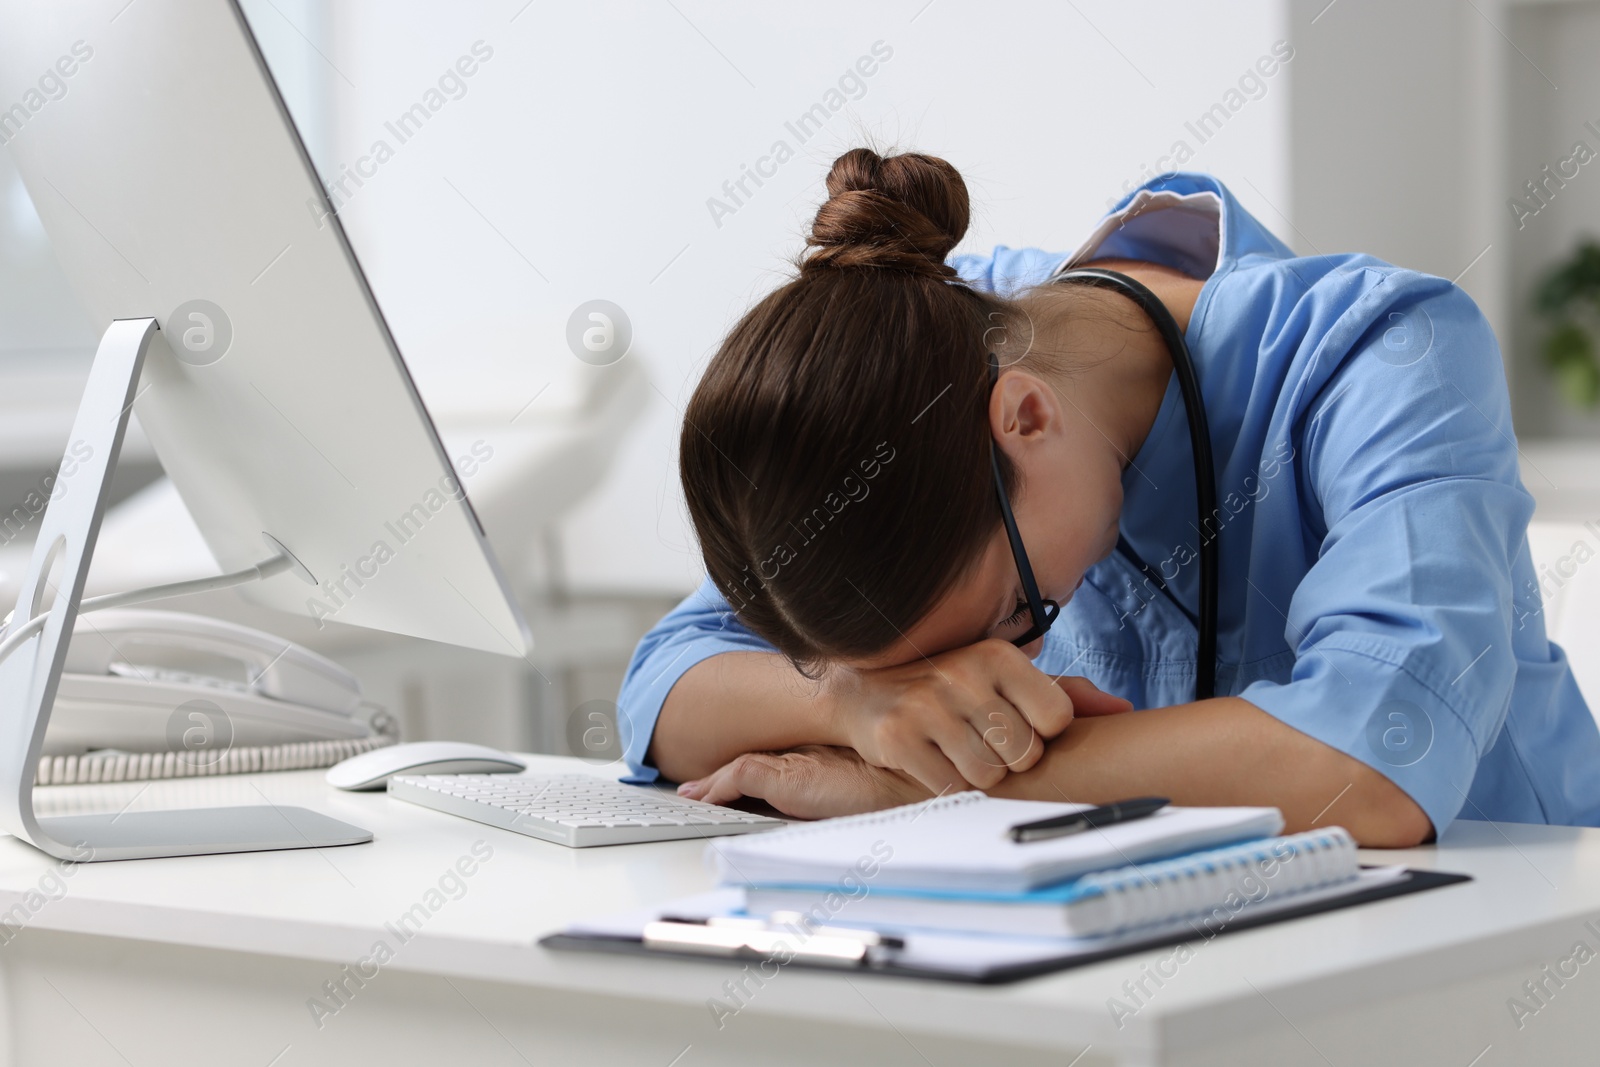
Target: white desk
[{"x": 212, "y": 960}]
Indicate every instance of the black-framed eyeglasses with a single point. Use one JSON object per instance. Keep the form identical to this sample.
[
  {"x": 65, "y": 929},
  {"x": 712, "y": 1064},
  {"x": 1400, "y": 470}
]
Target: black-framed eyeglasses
[{"x": 1043, "y": 611}]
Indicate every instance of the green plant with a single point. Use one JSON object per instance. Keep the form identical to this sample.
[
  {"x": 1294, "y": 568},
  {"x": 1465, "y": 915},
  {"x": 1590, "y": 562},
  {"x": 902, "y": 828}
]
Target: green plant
[{"x": 1568, "y": 297}]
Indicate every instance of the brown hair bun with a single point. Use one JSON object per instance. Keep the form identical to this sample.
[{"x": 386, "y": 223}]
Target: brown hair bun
[
  {"x": 823, "y": 542},
  {"x": 902, "y": 212}
]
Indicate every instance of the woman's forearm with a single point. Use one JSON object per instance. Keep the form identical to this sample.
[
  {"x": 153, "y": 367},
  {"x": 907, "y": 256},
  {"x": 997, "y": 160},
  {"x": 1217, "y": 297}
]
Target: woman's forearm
[
  {"x": 1221, "y": 752},
  {"x": 738, "y": 702}
]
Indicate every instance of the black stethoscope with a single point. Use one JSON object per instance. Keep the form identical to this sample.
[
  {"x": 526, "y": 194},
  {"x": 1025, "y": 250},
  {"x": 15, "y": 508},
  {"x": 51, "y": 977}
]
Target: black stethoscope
[{"x": 1205, "y": 475}]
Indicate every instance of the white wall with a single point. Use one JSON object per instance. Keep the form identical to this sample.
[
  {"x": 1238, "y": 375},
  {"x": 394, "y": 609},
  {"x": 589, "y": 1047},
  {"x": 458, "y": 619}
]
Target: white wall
[
  {"x": 1552, "y": 93},
  {"x": 1415, "y": 126},
  {"x": 579, "y": 162}
]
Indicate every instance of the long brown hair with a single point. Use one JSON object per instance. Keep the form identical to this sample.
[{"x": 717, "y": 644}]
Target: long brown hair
[{"x": 835, "y": 455}]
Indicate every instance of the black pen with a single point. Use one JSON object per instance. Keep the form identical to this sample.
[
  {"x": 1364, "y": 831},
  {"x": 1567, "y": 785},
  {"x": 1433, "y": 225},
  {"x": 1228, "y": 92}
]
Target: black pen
[{"x": 1089, "y": 819}]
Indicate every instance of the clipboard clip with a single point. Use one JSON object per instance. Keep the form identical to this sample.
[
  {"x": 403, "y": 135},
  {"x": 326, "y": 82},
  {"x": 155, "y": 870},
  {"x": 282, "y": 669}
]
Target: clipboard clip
[{"x": 783, "y": 933}]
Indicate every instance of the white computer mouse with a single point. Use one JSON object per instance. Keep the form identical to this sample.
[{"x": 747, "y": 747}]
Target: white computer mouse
[{"x": 372, "y": 770}]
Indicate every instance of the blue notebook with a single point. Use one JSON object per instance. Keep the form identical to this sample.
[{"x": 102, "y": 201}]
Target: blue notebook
[{"x": 1213, "y": 882}]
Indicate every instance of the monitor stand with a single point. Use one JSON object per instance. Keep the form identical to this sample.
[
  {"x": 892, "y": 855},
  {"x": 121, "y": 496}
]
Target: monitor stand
[{"x": 29, "y": 676}]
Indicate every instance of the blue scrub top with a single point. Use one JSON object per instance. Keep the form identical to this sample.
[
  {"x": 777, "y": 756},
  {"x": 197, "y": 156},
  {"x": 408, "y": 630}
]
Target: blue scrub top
[{"x": 1377, "y": 591}]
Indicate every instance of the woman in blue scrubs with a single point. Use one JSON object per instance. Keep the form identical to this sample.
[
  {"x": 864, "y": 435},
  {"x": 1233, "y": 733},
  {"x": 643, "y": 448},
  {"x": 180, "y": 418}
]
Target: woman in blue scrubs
[{"x": 864, "y": 637}]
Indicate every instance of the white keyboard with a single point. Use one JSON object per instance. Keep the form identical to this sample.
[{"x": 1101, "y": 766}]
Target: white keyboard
[{"x": 576, "y": 810}]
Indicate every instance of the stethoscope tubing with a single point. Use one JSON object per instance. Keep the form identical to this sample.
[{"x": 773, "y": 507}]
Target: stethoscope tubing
[{"x": 1205, "y": 476}]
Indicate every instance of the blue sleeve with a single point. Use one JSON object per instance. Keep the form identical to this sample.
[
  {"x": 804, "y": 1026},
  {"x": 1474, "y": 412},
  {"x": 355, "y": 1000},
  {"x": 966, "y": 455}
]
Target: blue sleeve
[
  {"x": 699, "y": 627},
  {"x": 1007, "y": 271},
  {"x": 1402, "y": 628}
]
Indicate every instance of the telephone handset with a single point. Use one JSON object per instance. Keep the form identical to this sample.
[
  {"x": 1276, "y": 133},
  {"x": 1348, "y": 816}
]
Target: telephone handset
[
  {"x": 274, "y": 667},
  {"x": 197, "y": 695}
]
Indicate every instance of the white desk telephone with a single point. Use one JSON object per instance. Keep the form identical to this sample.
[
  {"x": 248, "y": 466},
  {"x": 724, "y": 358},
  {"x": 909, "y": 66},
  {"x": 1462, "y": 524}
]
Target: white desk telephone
[{"x": 160, "y": 694}]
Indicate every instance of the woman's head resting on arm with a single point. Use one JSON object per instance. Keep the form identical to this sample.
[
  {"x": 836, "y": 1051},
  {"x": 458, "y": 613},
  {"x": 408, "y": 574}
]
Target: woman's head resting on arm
[{"x": 835, "y": 455}]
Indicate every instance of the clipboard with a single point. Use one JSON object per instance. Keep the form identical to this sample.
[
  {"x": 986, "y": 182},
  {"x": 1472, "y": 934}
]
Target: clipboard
[{"x": 918, "y": 953}]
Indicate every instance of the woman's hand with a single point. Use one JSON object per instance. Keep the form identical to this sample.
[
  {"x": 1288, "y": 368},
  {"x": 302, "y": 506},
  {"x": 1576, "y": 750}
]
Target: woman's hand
[
  {"x": 961, "y": 719},
  {"x": 810, "y": 782}
]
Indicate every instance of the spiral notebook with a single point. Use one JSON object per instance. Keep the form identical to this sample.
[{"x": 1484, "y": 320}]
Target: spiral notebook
[
  {"x": 1199, "y": 886},
  {"x": 960, "y": 842}
]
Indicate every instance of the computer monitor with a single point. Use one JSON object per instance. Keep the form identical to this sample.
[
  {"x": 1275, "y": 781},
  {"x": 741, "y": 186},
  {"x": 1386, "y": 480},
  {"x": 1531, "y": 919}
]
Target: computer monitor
[{"x": 174, "y": 187}]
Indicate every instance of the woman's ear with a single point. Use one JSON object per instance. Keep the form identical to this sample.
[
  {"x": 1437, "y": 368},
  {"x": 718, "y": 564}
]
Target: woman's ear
[{"x": 1022, "y": 407}]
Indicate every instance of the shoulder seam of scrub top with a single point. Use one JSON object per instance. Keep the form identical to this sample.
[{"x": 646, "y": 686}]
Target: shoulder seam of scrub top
[{"x": 1354, "y": 320}]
